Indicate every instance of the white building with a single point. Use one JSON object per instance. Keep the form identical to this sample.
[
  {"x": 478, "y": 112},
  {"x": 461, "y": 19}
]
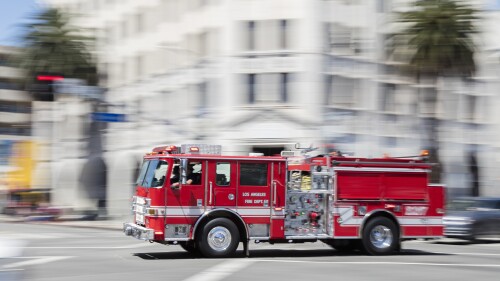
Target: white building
[
  {"x": 15, "y": 112},
  {"x": 261, "y": 75}
]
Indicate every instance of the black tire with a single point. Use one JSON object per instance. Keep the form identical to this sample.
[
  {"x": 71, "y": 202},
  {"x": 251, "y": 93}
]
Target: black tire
[
  {"x": 343, "y": 245},
  {"x": 475, "y": 234},
  {"x": 189, "y": 246},
  {"x": 380, "y": 237},
  {"x": 219, "y": 238}
]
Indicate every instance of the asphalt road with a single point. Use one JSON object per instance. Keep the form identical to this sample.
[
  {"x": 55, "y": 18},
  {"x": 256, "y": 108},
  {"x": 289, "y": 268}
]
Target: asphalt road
[{"x": 56, "y": 253}]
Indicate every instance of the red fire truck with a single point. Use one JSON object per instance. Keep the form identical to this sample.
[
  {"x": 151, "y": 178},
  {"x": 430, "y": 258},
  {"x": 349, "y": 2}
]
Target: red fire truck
[{"x": 206, "y": 202}]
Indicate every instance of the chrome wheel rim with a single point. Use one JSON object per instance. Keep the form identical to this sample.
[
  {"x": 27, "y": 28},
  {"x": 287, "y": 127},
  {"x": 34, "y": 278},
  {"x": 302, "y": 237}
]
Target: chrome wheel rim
[
  {"x": 381, "y": 237},
  {"x": 219, "y": 238}
]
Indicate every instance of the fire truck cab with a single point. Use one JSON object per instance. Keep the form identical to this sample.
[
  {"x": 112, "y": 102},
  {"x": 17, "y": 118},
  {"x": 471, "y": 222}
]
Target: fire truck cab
[{"x": 205, "y": 202}]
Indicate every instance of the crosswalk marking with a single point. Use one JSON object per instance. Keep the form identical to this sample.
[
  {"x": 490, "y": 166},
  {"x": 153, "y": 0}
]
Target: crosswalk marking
[
  {"x": 221, "y": 270},
  {"x": 35, "y": 261}
]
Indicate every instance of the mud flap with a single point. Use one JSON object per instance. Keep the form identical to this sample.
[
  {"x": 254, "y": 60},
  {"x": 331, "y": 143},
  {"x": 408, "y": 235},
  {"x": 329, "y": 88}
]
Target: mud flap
[{"x": 246, "y": 248}]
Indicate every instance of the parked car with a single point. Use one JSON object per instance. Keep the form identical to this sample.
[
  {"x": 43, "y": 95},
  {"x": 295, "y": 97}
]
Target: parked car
[{"x": 472, "y": 218}]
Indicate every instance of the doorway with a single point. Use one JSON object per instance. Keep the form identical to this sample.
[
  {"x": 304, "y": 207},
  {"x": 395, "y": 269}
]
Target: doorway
[{"x": 268, "y": 150}]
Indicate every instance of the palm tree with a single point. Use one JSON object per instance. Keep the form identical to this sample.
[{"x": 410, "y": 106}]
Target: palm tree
[
  {"x": 437, "y": 42},
  {"x": 52, "y": 47}
]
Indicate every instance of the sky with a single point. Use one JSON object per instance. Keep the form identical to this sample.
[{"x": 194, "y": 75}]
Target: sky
[{"x": 13, "y": 13}]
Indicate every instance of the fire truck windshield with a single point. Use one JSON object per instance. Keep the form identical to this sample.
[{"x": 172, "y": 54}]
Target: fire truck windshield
[{"x": 152, "y": 173}]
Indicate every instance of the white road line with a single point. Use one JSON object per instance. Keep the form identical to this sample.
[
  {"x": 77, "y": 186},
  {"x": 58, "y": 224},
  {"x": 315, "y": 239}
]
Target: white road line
[
  {"x": 36, "y": 260},
  {"x": 488, "y": 245},
  {"x": 381, "y": 263},
  {"x": 221, "y": 270},
  {"x": 10, "y": 270},
  {"x": 91, "y": 247},
  {"x": 467, "y": 254}
]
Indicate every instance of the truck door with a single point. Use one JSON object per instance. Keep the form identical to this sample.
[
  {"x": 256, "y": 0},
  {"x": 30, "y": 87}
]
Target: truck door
[
  {"x": 254, "y": 196},
  {"x": 221, "y": 183},
  {"x": 185, "y": 202},
  {"x": 278, "y": 199}
]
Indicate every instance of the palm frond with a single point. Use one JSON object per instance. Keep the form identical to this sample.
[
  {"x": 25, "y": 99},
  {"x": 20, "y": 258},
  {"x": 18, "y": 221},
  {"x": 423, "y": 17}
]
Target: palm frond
[
  {"x": 53, "y": 46},
  {"x": 439, "y": 37}
]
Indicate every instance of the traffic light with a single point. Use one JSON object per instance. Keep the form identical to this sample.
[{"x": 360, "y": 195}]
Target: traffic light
[{"x": 43, "y": 86}]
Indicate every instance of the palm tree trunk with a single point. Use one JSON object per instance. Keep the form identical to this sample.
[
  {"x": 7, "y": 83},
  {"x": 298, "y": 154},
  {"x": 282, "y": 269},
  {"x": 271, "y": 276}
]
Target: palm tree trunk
[{"x": 431, "y": 131}]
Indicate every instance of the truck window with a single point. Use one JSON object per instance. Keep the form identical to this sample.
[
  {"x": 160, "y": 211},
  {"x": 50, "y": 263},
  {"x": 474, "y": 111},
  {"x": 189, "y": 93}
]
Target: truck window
[
  {"x": 254, "y": 174},
  {"x": 142, "y": 173},
  {"x": 223, "y": 174},
  {"x": 195, "y": 172},
  {"x": 156, "y": 172}
]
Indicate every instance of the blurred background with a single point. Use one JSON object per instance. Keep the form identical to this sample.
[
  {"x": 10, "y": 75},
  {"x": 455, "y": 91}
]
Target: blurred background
[{"x": 88, "y": 86}]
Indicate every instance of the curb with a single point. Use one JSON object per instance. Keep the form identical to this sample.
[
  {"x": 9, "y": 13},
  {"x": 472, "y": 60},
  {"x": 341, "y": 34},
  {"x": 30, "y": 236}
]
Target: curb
[{"x": 73, "y": 221}]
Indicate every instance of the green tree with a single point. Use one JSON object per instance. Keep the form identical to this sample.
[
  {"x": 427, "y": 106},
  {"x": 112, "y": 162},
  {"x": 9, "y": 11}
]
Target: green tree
[
  {"x": 436, "y": 42},
  {"x": 51, "y": 46}
]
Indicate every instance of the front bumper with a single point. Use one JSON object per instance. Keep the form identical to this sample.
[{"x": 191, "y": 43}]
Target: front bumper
[
  {"x": 458, "y": 230},
  {"x": 137, "y": 231}
]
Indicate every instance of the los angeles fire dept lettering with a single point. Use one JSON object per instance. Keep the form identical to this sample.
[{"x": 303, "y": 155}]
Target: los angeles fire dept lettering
[{"x": 254, "y": 194}]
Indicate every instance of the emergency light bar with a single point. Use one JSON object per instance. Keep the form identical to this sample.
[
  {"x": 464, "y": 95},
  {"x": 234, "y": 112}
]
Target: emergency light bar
[
  {"x": 165, "y": 149},
  {"x": 291, "y": 153},
  {"x": 201, "y": 149}
]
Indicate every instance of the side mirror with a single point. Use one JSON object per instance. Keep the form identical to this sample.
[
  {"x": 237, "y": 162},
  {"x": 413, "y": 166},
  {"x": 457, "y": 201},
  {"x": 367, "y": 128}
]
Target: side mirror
[{"x": 183, "y": 170}]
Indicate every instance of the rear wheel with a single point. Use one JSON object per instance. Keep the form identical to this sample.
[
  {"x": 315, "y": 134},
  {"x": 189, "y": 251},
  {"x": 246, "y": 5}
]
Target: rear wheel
[
  {"x": 219, "y": 238},
  {"x": 380, "y": 236},
  {"x": 343, "y": 245}
]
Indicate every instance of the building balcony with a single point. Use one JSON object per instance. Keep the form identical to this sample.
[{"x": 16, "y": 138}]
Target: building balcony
[
  {"x": 15, "y": 118},
  {"x": 10, "y": 72},
  {"x": 13, "y": 95}
]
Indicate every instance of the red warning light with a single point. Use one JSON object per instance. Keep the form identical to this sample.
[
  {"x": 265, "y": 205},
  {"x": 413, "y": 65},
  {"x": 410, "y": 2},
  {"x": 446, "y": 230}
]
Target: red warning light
[{"x": 49, "y": 78}]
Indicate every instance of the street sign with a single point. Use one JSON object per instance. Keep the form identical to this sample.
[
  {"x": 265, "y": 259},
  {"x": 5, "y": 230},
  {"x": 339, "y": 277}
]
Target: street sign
[
  {"x": 108, "y": 117},
  {"x": 77, "y": 87}
]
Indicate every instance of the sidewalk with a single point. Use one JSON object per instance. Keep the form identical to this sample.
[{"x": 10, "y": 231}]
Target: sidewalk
[{"x": 71, "y": 221}]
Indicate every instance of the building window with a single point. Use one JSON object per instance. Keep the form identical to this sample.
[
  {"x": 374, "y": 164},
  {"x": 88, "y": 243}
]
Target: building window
[
  {"x": 283, "y": 34},
  {"x": 284, "y": 86},
  {"x": 124, "y": 29},
  {"x": 381, "y": 6},
  {"x": 268, "y": 87},
  {"x": 389, "y": 141},
  {"x": 388, "y": 97},
  {"x": 4, "y": 60},
  {"x": 139, "y": 67},
  {"x": 139, "y": 23},
  {"x": 15, "y": 107},
  {"x": 342, "y": 39},
  {"x": 251, "y": 88},
  {"x": 7, "y": 84},
  {"x": 203, "y": 97},
  {"x": 251, "y": 35},
  {"x": 342, "y": 91},
  {"x": 470, "y": 107},
  {"x": 269, "y": 150}
]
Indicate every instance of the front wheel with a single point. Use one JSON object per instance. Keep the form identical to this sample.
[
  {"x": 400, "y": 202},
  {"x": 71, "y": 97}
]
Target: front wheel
[
  {"x": 380, "y": 236},
  {"x": 189, "y": 247},
  {"x": 219, "y": 238}
]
